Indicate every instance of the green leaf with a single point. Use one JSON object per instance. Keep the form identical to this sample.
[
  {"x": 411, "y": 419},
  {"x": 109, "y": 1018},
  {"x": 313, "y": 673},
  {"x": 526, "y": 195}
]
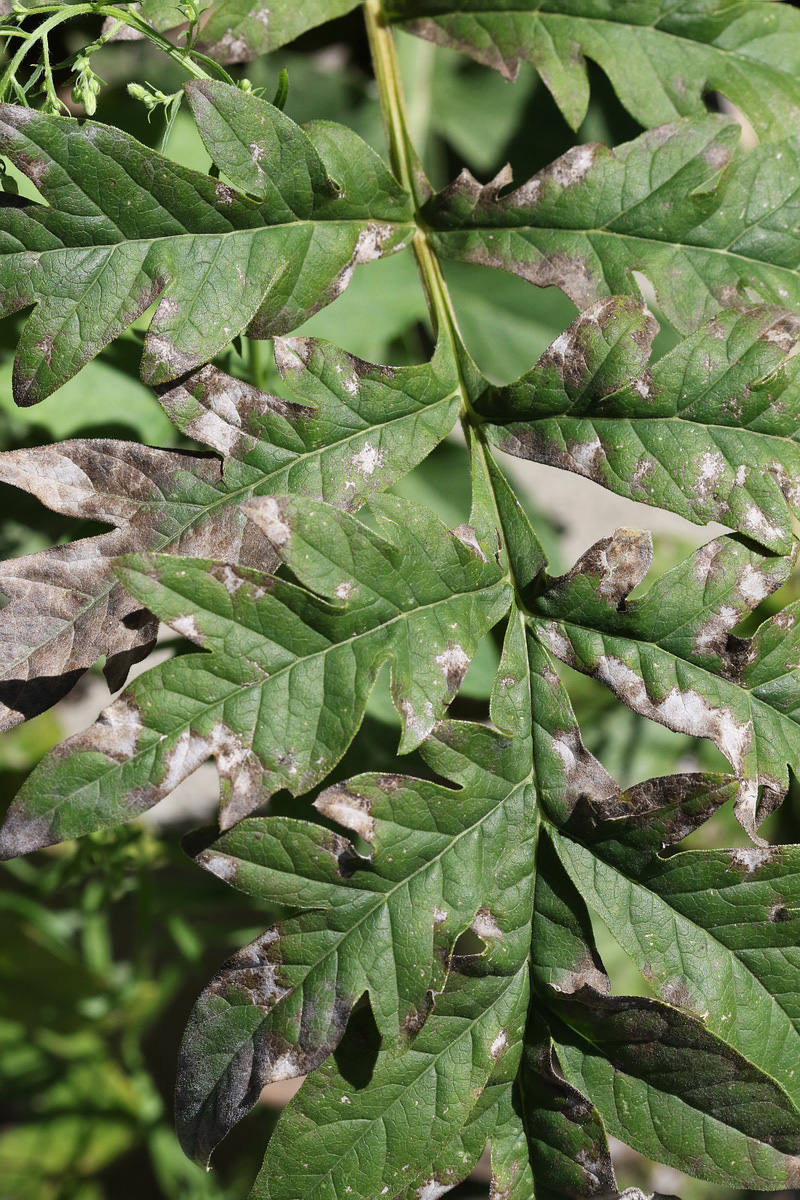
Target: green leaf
[
  {"x": 567, "y": 1143},
  {"x": 240, "y": 30},
  {"x": 708, "y": 432},
  {"x": 707, "y": 227},
  {"x": 284, "y": 689},
  {"x": 356, "y": 430},
  {"x": 660, "y": 1078},
  {"x": 124, "y": 227},
  {"x": 671, "y": 656},
  {"x": 435, "y": 869},
  {"x": 334, "y": 1135},
  {"x": 235, "y": 31},
  {"x": 455, "y": 871},
  {"x": 662, "y": 58},
  {"x": 717, "y": 951}
]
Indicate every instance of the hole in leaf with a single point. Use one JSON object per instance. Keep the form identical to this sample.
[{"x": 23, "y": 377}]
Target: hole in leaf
[
  {"x": 357, "y": 1052},
  {"x": 468, "y": 944}
]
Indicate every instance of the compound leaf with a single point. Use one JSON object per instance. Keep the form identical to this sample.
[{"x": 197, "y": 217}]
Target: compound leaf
[
  {"x": 671, "y": 656},
  {"x": 284, "y": 689},
  {"x": 436, "y": 868},
  {"x": 333, "y": 1136},
  {"x": 661, "y": 58},
  {"x": 659, "y": 1077},
  {"x": 356, "y": 430},
  {"x": 124, "y": 227},
  {"x": 709, "y": 431},
  {"x": 707, "y": 227},
  {"x": 718, "y": 952}
]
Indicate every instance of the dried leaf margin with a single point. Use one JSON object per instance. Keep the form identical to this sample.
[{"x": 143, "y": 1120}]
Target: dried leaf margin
[
  {"x": 709, "y": 431},
  {"x": 707, "y": 224},
  {"x": 284, "y": 690},
  {"x": 356, "y": 429}
]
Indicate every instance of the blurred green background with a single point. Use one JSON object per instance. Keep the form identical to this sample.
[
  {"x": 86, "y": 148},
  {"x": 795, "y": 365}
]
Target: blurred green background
[{"x": 105, "y": 943}]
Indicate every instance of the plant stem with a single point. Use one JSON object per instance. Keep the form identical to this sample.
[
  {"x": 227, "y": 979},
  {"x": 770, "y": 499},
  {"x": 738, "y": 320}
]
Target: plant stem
[
  {"x": 123, "y": 15},
  {"x": 255, "y": 353},
  {"x": 405, "y": 164}
]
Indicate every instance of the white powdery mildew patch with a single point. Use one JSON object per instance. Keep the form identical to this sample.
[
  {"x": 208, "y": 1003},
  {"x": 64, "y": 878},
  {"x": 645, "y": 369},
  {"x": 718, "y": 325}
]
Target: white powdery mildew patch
[
  {"x": 268, "y": 513},
  {"x": 685, "y": 712},
  {"x": 573, "y": 167},
  {"x": 348, "y": 809},
  {"x": 558, "y": 643},
  {"x": 230, "y": 579},
  {"x": 439, "y": 915},
  {"x": 368, "y": 459},
  {"x": 232, "y": 48},
  {"x": 116, "y": 732},
  {"x": 753, "y": 586},
  {"x": 789, "y": 484},
  {"x": 453, "y": 663},
  {"x": 498, "y": 1045},
  {"x": 186, "y": 626},
  {"x": 292, "y": 354},
  {"x": 710, "y": 471},
  {"x": 53, "y": 476},
  {"x": 644, "y": 468},
  {"x": 257, "y": 152},
  {"x": 343, "y": 591},
  {"x": 419, "y": 726},
  {"x": 368, "y": 247},
  {"x": 218, "y": 864},
  {"x": 746, "y": 809},
  {"x": 561, "y": 347},
  {"x": 224, "y": 193},
  {"x": 485, "y": 926},
  {"x": 709, "y": 634},
  {"x": 161, "y": 349},
  {"x": 587, "y": 457},
  {"x": 751, "y": 857},
  {"x": 189, "y": 752},
  {"x": 565, "y": 746},
  {"x": 288, "y": 1066},
  {"x": 467, "y": 535},
  {"x": 704, "y": 561},
  {"x": 348, "y": 380},
  {"x": 432, "y": 1190},
  {"x": 755, "y": 521},
  {"x": 230, "y": 753}
]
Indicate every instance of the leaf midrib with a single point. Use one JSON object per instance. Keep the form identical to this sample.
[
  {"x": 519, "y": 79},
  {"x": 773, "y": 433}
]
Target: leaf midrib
[
  {"x": 481, "y": 230},
  {"x": 253, "y": 231},
  {"x": 635, "y": 419}
]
